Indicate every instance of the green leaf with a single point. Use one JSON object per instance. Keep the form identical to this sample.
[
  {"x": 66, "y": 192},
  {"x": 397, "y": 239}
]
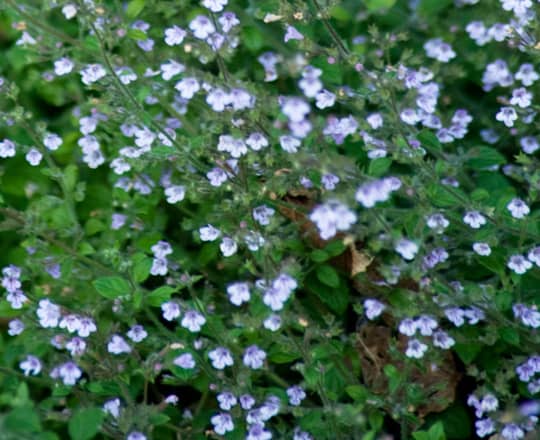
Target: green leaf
[
  {"x": 378, "y": 167},
  {"x": 93, "y": 226},
  {"x": 503, "y": 300},
  {"x": 358, "y": 392},
  {"x": 430, "y": 8},
  {"x": 85, "y": 423},
  {"x": 112, "y": 287},
  {"x": 375, "y": 419},
  {"x": 509, "y": 335},
  {"x": 337, "y": 299},
  {"x": 467, "y": 351},
  {"x": 253, "y": 39},
  {"x": 436, "y": 432},
  {"x": 159, "y": 418},
  {"x": 479, "y": 194},
  {"x": 484, "y": 157},
  {"x": 328, "y": 275},
  {"x": 137, "y": 34},
  {"x": 141, "y": 267},
  {"x": 429, "y": 140},
  {"x": 319, "y": 256},
  {"x": 494, "y": 262},
  {"x": 394, "y": 377},
  {"x": 135, "y": 7},
  {"x": 335, "y": 248},
  {"x": 70, "y": 177},
  {"x": 444, "y": 197},
  {"x": 457, "y": 422},
  {"x": 22, "y": 419},
  {"x": 376, "y": 5},
  {"x": 160, "y": 295},
  {"x": 282, "y": 357}
]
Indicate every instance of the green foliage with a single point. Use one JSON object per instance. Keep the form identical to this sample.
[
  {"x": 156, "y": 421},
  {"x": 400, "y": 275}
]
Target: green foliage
[
  {"x": 351, "y": 296},
  {"x": 112, "y": 287},
  {"x": 85, "y": 423}
]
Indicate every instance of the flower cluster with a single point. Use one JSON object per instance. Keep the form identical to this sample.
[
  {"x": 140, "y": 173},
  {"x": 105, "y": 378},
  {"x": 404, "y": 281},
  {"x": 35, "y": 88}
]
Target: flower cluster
[{"x": 267, "y": 219}]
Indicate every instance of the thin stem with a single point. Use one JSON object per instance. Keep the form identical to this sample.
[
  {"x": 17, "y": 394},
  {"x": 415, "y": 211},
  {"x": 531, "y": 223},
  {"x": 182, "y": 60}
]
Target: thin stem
[
  {"x": 68, "y": 197},
  {"x": 344, "y": 52},
  {"x": 19, "y": 218},
  {"x": 45, "y": 27},
  {"x": 143, "y": 115},
  {"x": 221, "y": 63}
]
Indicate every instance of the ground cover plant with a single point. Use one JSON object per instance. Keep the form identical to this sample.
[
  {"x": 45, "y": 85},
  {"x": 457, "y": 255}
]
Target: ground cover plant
[{"x": 256, "y": 219}]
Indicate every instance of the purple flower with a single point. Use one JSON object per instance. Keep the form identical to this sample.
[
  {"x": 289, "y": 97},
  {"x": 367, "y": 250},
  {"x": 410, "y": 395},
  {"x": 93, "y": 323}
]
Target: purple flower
[
  {"x": 16, "y": 327},
  {"x": 296, "y": 395},
  {"x": 118, "y": 345},
  {"x": 329, "y": 181},
  {"x": 474, "y": 219},
  {"x": 408, "y": 327},
  {"x": 257, "y": 432},
  {"x": 246, "y": 401},
  {"x": 112, "y": 407},
  {"x": 262, "y": 214},
  {"x": 86, "y": 326},
  {"x": 257, "y": 141},
  {"x": 482, "y": 249},
  {"x": 193, "y": 321},
  {"x": 226, "y": 400},
  {"x": 223, "y": 423},
  {"x": 332, "y": 217},
  {"x": 76, "y": 346},
  {"x": 52, "y": 141},
  {"x": 185, "y": 361},
  {"x": 415, "y": 349},
  {"x": 519, "y": 264},
  {"x": 238, "y": 293},
  {"x": 442, "y": 340},
  {"x": 507, "y": 115},
  {"x": 525, "y": 372},
  {"x": 272, "y": 323},
  {"x": 484, "y": 427},
  {"x": 438, "y": 49},
  {"x": 171, "y": 310},
  {"x": 214, "y": 5},
  {"x": 512, "y": 432},
  {"x": 437, "y": 222},
  {"x": 518, "y": 208},
  {"x": 137, "y": 333},
  {"x": 254, "y": 357},
  {"x": 406, "y": 248},
  {"x": 202, "y": 27},
  {"x": 292, "y": 34},
  {"x": 188, "y": 87},
  {"x": 31, "y": 365},
  {"x": 228, "y": 20},
  {"x": 377, "y": 191},
  {"x": 220, "y": 358},
  {"x": 7, "y": 148},
  {"x": 209, "y": 233},
  {"x": 69, "y": 372},
  {"x": 373, "y": 308},
  {"x": 174, "y": 36},
  {"x": 48, "y": 313},
  {"x": 228, "y": 247}
]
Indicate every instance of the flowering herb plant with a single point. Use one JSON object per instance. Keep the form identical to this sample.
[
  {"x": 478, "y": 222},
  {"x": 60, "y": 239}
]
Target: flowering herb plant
[{"x": 256, "y": 219}]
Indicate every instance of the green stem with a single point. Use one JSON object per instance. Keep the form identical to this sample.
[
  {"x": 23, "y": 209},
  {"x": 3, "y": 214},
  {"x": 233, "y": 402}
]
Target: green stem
[{"x": 333, "y": 34}]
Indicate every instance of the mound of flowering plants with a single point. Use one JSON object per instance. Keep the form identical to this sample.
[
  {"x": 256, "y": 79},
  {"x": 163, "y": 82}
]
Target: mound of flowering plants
[{"x": 269, "y": 219}]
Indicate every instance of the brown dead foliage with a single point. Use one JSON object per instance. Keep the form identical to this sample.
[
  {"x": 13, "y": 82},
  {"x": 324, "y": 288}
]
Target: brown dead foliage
[{"x": 439, "y": 381}]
